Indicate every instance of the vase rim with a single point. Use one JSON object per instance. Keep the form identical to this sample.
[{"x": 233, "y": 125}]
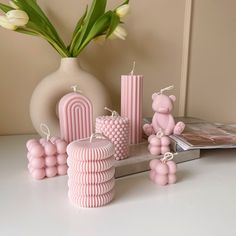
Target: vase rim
[
  {"x": 69, "y": 63},
  {"x": 69, "y": 58}
]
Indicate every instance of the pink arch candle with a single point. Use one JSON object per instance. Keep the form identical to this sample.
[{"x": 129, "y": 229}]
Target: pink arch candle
[
  {"x": 75, "y": 116},
  {"x": 131, "y": 104}
]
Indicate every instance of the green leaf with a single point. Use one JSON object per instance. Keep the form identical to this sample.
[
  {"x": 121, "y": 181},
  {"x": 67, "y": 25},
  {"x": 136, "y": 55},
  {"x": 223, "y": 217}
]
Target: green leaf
[
  {"x": 5, "y": 8},
  {"x": 124, "y": 3},
  {"x": 26, "y": 31},
  {"x": 80, "y": 22},
  {"x": 77, "y": 31},
  {"x": 97, "y": 9},
  {"x": 33, "y": 4},
  {"x": 115, "y": 20},
  {"x": 40, "y": 22},
  {"x": 38, "y": 17},
  {"x": 100, "y": 27}
]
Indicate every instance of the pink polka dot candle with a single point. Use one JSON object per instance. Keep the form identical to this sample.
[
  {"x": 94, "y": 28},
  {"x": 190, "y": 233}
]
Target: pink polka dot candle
[
  {"x": 91, "y": 171},
  {"x": 116, "y": 128}
]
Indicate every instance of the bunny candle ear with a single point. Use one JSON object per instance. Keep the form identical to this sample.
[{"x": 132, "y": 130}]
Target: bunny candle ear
[{"x": 172, "y": 97}]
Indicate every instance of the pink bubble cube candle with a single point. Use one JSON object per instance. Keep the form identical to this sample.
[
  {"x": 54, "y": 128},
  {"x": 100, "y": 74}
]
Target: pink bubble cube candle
[
  {"x": 158, "y": 144},
  {"x": 163, "y": 171},
  {"x": 47, "y": 157},
  {"x": 116, "y": 128}
]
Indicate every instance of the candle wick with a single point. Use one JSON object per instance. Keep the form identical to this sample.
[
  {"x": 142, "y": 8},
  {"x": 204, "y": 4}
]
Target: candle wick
[
  {"x": 76, "y": 89},
  {"x": 113, "y": 113},
  {"x": 97, "y": 135},
  {"x": 106, "y": 108},
  {"x": 132, "y": 71},
  {"x": 45, "y": 130}
]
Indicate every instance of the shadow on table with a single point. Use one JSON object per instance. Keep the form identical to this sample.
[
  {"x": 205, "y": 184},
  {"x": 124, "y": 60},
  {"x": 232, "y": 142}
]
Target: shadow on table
[
  {"x": 129, "y": 187},
  {"x": 183, "y": 175}
]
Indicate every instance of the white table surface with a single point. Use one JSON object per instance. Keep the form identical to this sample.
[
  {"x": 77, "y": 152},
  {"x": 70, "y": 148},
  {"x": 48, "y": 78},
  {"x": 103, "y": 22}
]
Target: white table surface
[{"x": 203, "y": 202}]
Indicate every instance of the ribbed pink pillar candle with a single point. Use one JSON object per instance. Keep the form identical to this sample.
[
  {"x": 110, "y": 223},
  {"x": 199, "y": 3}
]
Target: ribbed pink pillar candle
[
  {"x": 91, "y": 172},
  {"x": 131, "y": 104},
  {"x": 116, "y": 128},
  {"x": 75, "y": 116}
]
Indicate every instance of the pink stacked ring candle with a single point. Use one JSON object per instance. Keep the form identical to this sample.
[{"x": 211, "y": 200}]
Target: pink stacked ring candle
[
  {"x": 116, "y": 128},
  {"x": 91, "y": 172},
  {"x": 47, "y": 158}
]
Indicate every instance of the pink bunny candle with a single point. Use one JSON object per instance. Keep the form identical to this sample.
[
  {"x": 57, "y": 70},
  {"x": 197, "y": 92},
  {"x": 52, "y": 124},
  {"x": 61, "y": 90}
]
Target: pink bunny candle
[
  {"x": 116, "y": 128},
  {"x": 47, "y": 157},
  {"x": 91, "y": 172},
  {"x": 131, "y": 104},
  {"x": 163, "y": 171}
]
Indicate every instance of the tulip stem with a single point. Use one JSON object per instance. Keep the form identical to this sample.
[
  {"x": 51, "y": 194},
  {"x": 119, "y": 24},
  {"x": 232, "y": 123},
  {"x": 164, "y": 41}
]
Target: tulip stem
[{"x": 62, "y": 52}]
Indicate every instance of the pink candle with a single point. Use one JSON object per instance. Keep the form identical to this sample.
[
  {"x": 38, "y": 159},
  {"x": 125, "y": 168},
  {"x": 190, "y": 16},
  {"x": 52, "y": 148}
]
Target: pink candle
[
  {"x": 47, "y": 157},
  {"x": 91, "y": 172},
  {"x": 75, "y": 115},
  {"x": 116, "y": 128},
  {"x": 163, "y": 171},
  {"x": 131, "y": 104}
]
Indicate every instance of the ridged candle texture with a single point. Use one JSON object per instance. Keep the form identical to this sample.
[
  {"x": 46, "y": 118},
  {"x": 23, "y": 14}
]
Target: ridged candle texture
[
  {"x": 91, "y": 172},
  {"x": 131, "y": 104},
  {"x": 75, "y": 116}
]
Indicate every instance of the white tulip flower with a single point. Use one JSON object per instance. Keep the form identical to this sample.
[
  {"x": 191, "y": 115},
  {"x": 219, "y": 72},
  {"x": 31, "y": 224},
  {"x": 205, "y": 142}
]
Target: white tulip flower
[
  {"x": 17, "y": 17},
  {"x": 12, "y": 4},
  {"x": 100, "y": 39},
  {"x": 6, "y": 24},
  {"x": 119, "y": 32},
  {"x": 123, "y": 10}
]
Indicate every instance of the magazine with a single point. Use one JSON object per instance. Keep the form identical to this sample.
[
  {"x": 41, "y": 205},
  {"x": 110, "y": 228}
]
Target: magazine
[
  {"x": 200, "y": 134},
  {"x": 205, "y": 135}
]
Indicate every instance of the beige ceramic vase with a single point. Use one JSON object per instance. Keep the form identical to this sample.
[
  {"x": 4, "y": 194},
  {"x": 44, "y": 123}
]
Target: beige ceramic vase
[{"x": 47, "y": 94}]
